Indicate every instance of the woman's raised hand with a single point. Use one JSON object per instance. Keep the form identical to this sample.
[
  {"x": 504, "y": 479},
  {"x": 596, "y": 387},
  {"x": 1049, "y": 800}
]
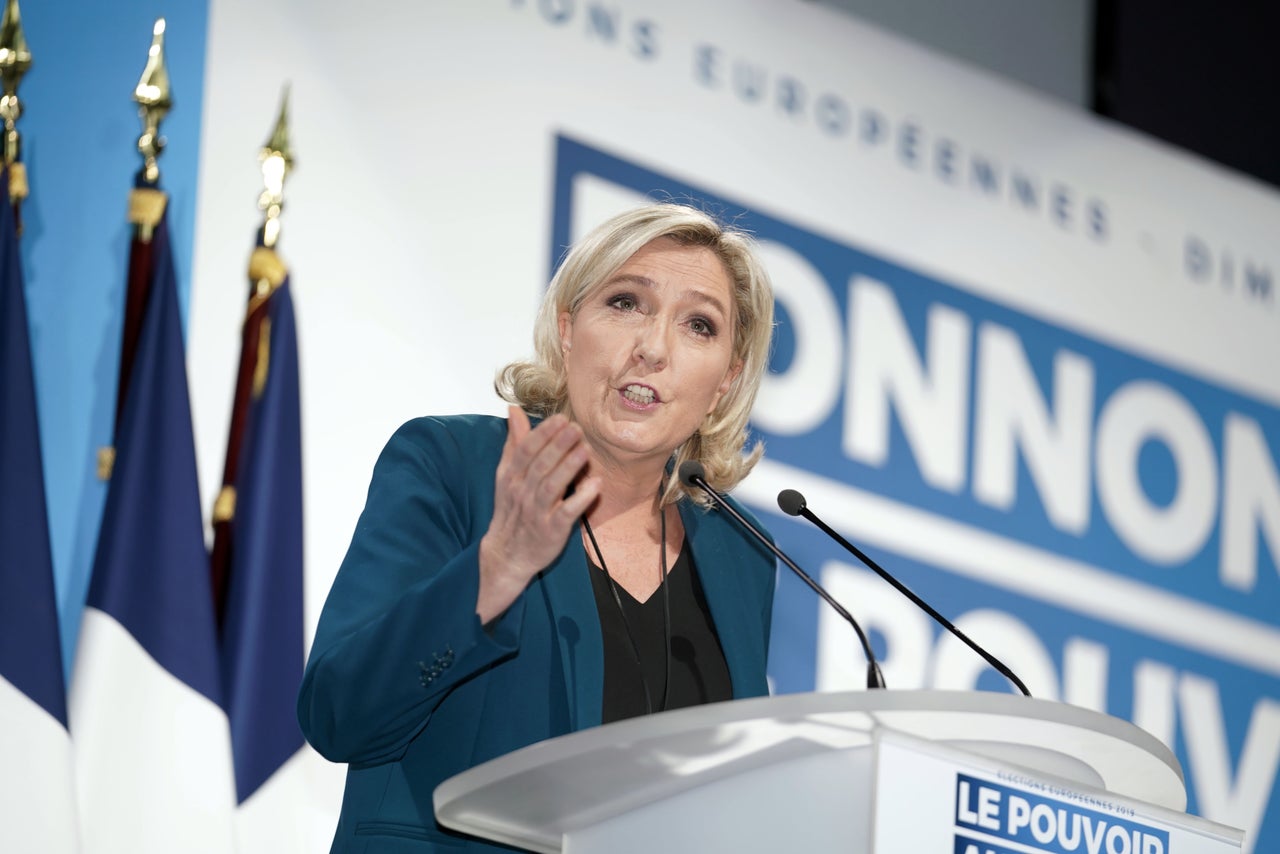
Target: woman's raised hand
[{"x": 532, "y": 516}]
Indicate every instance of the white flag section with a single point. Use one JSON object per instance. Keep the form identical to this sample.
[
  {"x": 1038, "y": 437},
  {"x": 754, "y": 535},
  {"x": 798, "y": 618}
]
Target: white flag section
[
  {"x": 37, "y": 794},
  {"x": 153, "y": 755}
]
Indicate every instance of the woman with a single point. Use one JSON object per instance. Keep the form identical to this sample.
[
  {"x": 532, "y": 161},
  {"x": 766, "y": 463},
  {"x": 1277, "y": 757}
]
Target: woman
[{"x": 508, "y": 582}]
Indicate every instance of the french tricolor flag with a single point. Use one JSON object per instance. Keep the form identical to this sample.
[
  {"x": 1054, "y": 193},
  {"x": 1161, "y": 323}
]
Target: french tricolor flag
[
  {"x": 152, "y": 743},
  {"x": 257, "y": 572},
  {"x": 37, "y": 798}
]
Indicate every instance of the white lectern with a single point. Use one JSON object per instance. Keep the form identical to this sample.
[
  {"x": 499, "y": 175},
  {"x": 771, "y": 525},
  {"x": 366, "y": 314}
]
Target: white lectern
[{"x": 881, "y": 772}]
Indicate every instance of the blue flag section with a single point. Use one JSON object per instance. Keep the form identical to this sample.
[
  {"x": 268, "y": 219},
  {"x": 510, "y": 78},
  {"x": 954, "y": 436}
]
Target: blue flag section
[
  {"x": 151, "y": 572},
  {"x": 1104, "y": 523},
  {"x": 30, "y": 649},
  {"x": 261, "y": 645}
]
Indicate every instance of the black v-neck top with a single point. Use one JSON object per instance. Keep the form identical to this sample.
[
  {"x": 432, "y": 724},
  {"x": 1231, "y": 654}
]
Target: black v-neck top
[{"x": 699, "y": 673}]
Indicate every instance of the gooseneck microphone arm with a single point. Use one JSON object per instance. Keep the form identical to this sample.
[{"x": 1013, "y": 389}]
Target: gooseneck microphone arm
[
  {"x": 793, "y": 504},
  {"x": 692, "y": 474}
]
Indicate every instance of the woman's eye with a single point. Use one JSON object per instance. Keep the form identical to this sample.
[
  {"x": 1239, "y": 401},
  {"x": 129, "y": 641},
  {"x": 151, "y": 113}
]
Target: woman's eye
[
  {"x": 624, "y": 302},
  {"x": 702, "y": 326}
]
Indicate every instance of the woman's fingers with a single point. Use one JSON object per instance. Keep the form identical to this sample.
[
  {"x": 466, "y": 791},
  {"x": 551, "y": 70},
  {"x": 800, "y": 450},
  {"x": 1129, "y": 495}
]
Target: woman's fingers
[
  {"x": 563, "y": 448},
  {"x": 575, "y": 506},
  {"x": 532, "y": 516},
  {"x": 517, "y": 426},
  {"x": 532, "y": 453},
  {"x": 537, "y": 467}
]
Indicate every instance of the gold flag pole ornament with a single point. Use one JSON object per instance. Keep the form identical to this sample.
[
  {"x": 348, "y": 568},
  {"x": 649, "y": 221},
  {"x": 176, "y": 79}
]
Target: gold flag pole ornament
[
  {"x": 266, "y": 274},
  {"x": 15, "y": 60},
  {"x": 154, "y": 98},
  {"x": 276, "y": 158},
  {"x": 266, "y": 271},
  {"x": 146, "y": 207}
]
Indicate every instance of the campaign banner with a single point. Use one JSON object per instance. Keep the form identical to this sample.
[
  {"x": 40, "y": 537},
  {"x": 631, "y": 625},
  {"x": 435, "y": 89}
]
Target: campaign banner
[{"x": 1030, "y": 480}]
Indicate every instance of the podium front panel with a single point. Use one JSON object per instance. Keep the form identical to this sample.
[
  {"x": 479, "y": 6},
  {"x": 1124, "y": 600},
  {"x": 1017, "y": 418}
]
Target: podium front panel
[
  {"x": 817, "y": 804},
  {"x": 929, "y": 797}
]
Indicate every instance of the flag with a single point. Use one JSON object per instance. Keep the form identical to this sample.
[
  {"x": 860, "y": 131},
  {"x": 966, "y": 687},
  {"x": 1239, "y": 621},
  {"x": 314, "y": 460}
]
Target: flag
[
  {"x": 257, "y": 568},
  {"x": 37, "y": 795},
  {"x": 152, "y": 745}
]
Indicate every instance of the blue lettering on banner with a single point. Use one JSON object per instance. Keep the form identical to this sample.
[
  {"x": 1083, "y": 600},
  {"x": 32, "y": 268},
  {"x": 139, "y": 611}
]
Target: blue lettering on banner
[
  {"x": 600, "y": 22},
  {"x": 753, "y": 84},
  {"x": 1050, "y": 825},
  {"x": 1225, "y": 268},
  {"x": 1062, "y": 447}
]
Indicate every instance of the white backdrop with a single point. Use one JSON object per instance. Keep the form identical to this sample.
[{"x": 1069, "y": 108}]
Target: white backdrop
[{"x": 1107, "y": 519}]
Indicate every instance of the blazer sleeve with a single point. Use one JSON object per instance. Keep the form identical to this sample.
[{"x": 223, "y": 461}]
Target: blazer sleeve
[{"x": 399, "y": 627}]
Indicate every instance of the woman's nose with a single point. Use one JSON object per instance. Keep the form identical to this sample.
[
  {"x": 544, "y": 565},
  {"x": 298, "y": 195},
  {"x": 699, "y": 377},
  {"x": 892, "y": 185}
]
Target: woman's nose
[{"x": 651, "y": 346}]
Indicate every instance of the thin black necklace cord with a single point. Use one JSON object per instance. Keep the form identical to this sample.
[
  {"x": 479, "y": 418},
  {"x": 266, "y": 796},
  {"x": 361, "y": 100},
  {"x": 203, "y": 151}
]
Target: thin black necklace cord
[{"x": 626, "y": 624}]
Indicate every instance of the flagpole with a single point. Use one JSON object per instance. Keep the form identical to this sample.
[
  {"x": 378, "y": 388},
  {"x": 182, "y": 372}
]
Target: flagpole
[
  {"x": 147, "y": 201},
  {"x": 266, "y": 273}
]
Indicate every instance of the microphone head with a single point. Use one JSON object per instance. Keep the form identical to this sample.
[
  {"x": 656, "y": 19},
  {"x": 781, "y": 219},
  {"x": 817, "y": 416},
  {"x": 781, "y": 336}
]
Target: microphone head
[
  {"x": 691, "y": 471},
  {"x": 791, "y": 502}
]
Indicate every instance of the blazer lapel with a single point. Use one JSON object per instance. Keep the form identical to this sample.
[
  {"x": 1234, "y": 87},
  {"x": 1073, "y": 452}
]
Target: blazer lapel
[
  {"x": 575, "y": 625},
  {"x": 714, "y": 555}
]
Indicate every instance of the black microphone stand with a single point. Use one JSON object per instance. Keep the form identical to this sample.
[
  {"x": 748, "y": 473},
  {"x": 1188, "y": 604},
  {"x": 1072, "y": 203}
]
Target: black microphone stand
[
  {"x": 793, "y": 504},
  {"x": 693, "y": 474}
]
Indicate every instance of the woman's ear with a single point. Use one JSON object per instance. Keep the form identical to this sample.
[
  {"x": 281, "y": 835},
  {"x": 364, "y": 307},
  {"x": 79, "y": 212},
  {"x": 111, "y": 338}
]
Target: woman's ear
[
  {"x": 729, "y": 376},
  {"x": 565, "y": 323},
  {"x": 732, "y": 374}
]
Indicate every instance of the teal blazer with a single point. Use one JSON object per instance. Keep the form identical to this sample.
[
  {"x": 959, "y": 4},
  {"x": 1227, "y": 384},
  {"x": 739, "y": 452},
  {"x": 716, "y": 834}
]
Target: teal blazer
[{"x": 407, "y": 687}]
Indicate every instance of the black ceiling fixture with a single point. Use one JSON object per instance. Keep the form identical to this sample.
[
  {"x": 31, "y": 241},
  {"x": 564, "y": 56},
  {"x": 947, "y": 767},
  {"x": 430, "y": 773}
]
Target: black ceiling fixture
[{"x": 1201, "y": 74}]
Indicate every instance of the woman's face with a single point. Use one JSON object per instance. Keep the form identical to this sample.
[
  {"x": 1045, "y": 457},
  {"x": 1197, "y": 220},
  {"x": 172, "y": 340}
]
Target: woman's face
[{"x": 650, "y": 352}]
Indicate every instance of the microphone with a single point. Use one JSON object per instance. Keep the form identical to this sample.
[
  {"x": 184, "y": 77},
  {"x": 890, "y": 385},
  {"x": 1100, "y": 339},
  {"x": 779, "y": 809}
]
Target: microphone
[
  {"x": 692, "y": 474},
  {"x": 793, "y": 504}
]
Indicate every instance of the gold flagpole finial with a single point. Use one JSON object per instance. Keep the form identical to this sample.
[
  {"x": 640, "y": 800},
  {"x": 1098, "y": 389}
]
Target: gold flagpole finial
[
  {"x": 276, "y": 158},
  {"x": 15, "y": 60},
  {"x": 154, "y": 102}
]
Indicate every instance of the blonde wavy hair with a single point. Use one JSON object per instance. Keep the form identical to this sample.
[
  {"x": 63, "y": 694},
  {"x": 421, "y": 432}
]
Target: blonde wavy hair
[{"x": 540, "y": 386}]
